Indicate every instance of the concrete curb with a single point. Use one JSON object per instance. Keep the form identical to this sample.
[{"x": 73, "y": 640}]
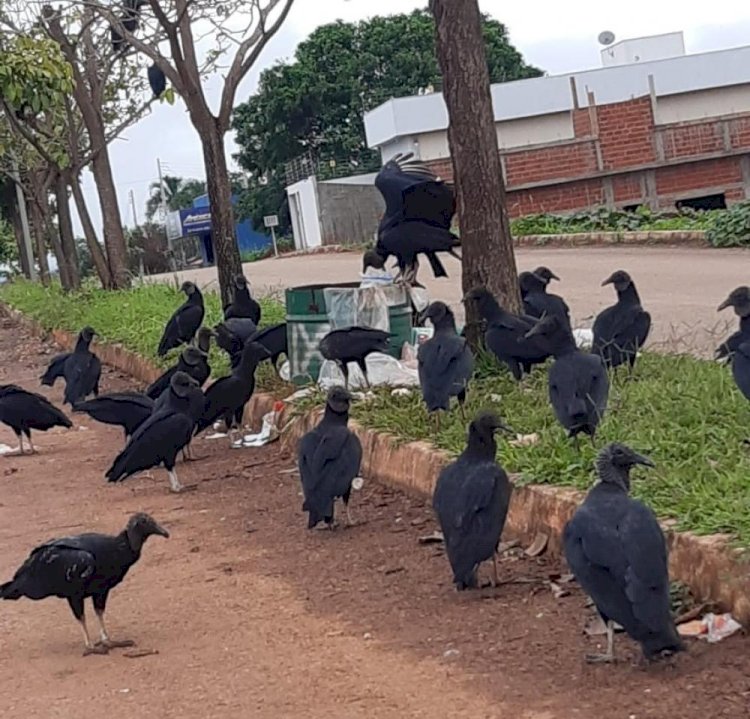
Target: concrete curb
[
  {"x": 605, "y": 239},
  {"x": 709, "y": 565}
]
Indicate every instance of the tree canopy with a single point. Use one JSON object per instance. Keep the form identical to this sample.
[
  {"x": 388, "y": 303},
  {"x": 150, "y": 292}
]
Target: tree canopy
[
  {"x": 315, "y": 104},
  {"x": 180, "y": 192}
]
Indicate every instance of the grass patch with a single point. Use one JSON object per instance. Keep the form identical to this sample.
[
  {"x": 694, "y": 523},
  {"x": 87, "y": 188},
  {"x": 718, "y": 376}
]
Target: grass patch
[
  {"x": 685, "y": 413},
  {"x": 134, "y": 318}
]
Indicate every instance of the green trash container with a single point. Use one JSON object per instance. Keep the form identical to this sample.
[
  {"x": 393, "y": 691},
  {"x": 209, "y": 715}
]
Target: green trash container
[{"x": 307, "y": 323}]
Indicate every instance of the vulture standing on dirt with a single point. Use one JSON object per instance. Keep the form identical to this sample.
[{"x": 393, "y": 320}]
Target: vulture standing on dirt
[
  {"x": 243, "y": 305},
  {"x": 536, "y": 301},
  {"x": 226, "y": 398},
  {"x": 505, "y": 335},
  {"x": 192, "y": 361},
  {"x": 87, "y": 565},
  {"x": 329, "y": 457},
  {"x": 471, "y": 502},
  {"x": 739, "y": 300},
  {"x": 55, "y": 369},
  {"x": 445, "y": 361},
  {"x": 616, "y": 550},
  {"x": 82, "y": 370},
  {"x": 23, "y": 411},
  {"x": 123, "y": 409},
  {"x": 353, "y": 344},
  {"x": 621, "y": 330},
  {"x": 419, "y": 209},
  {"x": 578, "y": 381},
  {"x": 185, "y": 322},
  {"x": 158, "y": 440}
]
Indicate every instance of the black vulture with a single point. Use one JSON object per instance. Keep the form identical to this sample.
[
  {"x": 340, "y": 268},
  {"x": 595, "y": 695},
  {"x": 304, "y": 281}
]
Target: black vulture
[
  {"x": 445, "y": 361},
  {"x": 157, "y": 80},
  {"x": 741, "y": 367},
  {"x": 185, "y": 322},
  {"x": 537, "y": 302},
  {"x": 505, "y": 335},
  {"x": 232, "y": 335},
  {"x": 353, "y": 344},
  {"x": 124, "y": 409},
  {"x": 192, "y": 361},
  {"x": 130, "y": 19},
  {"x": 329, "y": 457},
  {"x": 274, "y": 339},
  {"x": 621, "y": 330},
  {"x": 243, "y": 305},
  {"x": 226, "y": 398},
  {"x": 55, "y": 369},
  {"x": 578, "y": 381},
  {"x": 419, "y": 209},
  {"x": 23, "y": 411},
  {"x": 158, "y": 440},
  {"x": 87, "y": 565},
  {"x": 471, "y": 502},
  {"x": 739, "y": 300},
  {"x": 616, "y": 550},
  {"x": 82, "y": 370}
]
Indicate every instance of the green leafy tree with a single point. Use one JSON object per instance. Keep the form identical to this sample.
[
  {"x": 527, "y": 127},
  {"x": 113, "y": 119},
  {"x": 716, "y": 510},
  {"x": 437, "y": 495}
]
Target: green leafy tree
[
  {"x": 180, "y": 192},
  {"x": 314, "y": 105}
]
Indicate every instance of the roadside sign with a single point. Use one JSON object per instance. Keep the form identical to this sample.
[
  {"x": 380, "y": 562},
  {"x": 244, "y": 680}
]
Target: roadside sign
[{"x": 271, "y": 220}]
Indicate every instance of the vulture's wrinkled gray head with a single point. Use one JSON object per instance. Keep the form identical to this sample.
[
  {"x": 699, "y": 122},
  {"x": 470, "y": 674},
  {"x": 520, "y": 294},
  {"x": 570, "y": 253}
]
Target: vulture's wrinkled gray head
[
  {"x": 372, "y": 258},
  {"x": 546, "y": 274},
  {"x": 240, "y": 281},
  {"x": 620, "y": 279},
  {"x": 140, "y": 527},
  {"x": 739, "y": 299},
  {"x": 487, "y": 423},
  {"x": 88, "y": 334},
  {"x": 615, "y": 461},
  {"x": 437, "y": 312},
  {"x": 339, "y": 399},
  {"x": 181, "y": 383},
  {"x": 189, "y": 288},
  {"x": 192, "y": 356}
]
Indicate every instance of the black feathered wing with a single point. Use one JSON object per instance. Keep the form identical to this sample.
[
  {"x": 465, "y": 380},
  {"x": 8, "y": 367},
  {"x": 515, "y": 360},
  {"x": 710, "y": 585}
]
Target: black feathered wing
[
  {"x": 55, "y": 369},
  {"x": 445, "y": 364},
  {"x": 82, "y": 373},
  {"x": 181, "y": 327}
]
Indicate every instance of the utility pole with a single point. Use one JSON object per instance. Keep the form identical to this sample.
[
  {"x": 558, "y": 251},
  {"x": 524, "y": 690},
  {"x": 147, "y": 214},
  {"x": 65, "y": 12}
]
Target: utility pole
[
  {"x": 24, "y": 220},
  {"x": 132, "y": 207},
  {"x": 163, "y": 196}
]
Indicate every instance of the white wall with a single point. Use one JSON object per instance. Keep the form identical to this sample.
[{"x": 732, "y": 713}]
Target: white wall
[
  {"x": 303, "y": 207},
  {"x": 644, "y": 49},
  {"x": 535, "y": 130},
  {"x": 706, "y": 103}
]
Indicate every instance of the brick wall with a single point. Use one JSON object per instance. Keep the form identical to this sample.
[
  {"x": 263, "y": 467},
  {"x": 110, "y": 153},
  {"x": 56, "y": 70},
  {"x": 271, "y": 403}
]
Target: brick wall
[{"x": 619, "y": 156}]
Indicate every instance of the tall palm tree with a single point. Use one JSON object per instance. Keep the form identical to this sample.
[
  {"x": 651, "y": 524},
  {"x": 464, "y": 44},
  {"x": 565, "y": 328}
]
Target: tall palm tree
[{"x": 179, "y": 192}]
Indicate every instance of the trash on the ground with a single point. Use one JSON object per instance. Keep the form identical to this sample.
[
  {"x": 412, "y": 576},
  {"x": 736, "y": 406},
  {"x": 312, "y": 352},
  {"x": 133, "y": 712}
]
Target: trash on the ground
[
  {"x": 712, "y": 627},
  {"x": 434, "y": 538},
  {"x": 358, "y": 483},
  {"x": 269, "y": 432},
  {"x": 419, "y": 297},
  {"x": 138, "y": 653},
  {"x": 448, "y": 653},
  {"x": 363, "y": 396},
  {"x": 507, "y": 546},
  {"x": 420, "y": 335},
  {"x": 558, "y": 592},
  {"x": 496, "y": 398},
  {"x": 382, "y": 369},
  {"x": 538, "y": 546},
  {"x": 5, "y": 449},
  {"x": 525, "y": 440},
  {"x": 367, "y": 636},
  {"x": 401, "y": 392},
  {"x": 285, "y": 371},
  {"x": 584, "y": 337},
  {"x": 299, "y": 394},
  {"x": 216, "y": 435}
]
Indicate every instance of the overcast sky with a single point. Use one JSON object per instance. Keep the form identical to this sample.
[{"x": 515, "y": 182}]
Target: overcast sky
[{"x": 556, "y": 36}]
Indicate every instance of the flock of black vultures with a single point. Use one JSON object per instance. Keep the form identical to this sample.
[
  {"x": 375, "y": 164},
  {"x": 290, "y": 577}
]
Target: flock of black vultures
[{"x": 613, "y": 544}]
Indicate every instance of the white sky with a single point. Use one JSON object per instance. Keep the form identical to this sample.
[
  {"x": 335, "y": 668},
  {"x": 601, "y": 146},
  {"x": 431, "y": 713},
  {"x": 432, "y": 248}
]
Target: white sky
[{"x": 553, "y": 35}]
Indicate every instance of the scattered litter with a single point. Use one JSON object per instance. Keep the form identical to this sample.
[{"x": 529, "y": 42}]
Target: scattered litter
[
  {"x": 525, "y": 440},
  {"x": 299, "y": 394},
  {"x": 293, "y": 470},
  {"x": 401, "y": 392},
  {"x": 363, "y": 396},
  {"x": 538, "y": 545},
  {"x": 124, "y": 691},
  {"x": 497, "y": 398},
  {"x": 138, "y": 653},
  {"x": 448, "y": 653},
  {"x": 419, "y": 335},
  {"x": 358, "y": 483},
  {"x": 394, "y": 570},
  {"x": 504, "y": 547},
  {"x": 269, "y": 431},
  {"x": 285, "y": 371},
  {"x": 557, "y": 591},
  {"x": 712, "y": 627},
  {"x": 366, "y": 636},
  {"x": 5, "y": 449},
  {"x": 382, "y": 369},
  {"x": 434, "y": 538},
  {"x": 584, "y": 337},
  {"x": 216, "y": 435}
]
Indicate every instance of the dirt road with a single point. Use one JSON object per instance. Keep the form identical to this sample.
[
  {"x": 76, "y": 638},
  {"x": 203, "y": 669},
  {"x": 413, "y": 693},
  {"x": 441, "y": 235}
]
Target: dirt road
[
  {"x": 680, "y": 287},
  {"x": 254, "y": 616}
]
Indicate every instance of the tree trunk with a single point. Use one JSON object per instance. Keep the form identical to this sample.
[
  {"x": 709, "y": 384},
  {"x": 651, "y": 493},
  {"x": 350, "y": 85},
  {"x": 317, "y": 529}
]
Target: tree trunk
[
  {"x": 114, "y": 237},
  {"x": 42, "y": 215},
  {"x": 223, "y": 234},
  {"x": 486, "y": 242},
  {"x": 97, "y": 255},
  {"x": 40, "y": 243},
  {"x": 67, "y": 236},
  {"x": 23, "y": 259}
]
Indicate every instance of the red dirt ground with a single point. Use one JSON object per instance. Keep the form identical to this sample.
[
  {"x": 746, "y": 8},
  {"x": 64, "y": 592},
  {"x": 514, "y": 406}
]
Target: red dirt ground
[{"x": 252, "y": 615}]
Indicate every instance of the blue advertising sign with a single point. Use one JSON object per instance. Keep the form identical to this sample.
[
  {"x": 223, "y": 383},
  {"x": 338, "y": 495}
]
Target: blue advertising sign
[{"x": 195, "y": 221}]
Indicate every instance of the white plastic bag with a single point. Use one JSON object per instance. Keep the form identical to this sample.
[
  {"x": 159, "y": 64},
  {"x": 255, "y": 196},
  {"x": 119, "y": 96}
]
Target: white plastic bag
[{"x": 382, "y": 369}]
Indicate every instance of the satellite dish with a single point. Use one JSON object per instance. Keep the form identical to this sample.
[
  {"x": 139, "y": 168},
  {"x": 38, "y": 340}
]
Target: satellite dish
[{"x": 606, "y": 38}]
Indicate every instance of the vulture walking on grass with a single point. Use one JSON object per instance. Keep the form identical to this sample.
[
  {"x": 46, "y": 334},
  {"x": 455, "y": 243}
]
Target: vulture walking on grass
[
  {"x": 419, "y": 209},
  {"x": 24, "y": 411},
  {"x": 739, "y": 301},
  {"x": 471, "y": 502},
  {"x": 158, "y": 440},
  {"x": 537, "y": 302},
  {"x": 87, "y": 565},
  {"x": 82, "y": 370},
  {"x": 185, "y": 322},
  {"x": 616, "y": 550},
  {"x": 329, "y": 457},
  {"x": 445, "y": 361},
  {"x": 353, "y": 344},
  {"x": 243, "y": 305},
  {"x": 621, "y": 330}
]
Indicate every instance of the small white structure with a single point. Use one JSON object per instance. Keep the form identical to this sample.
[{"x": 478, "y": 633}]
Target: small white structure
[
  {"x": 305, "y": 214},
  {"x": 644, "y": 49}
]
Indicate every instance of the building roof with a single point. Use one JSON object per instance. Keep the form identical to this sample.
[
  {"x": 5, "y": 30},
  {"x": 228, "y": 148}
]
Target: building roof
[{"x": 420, "y": 114}]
